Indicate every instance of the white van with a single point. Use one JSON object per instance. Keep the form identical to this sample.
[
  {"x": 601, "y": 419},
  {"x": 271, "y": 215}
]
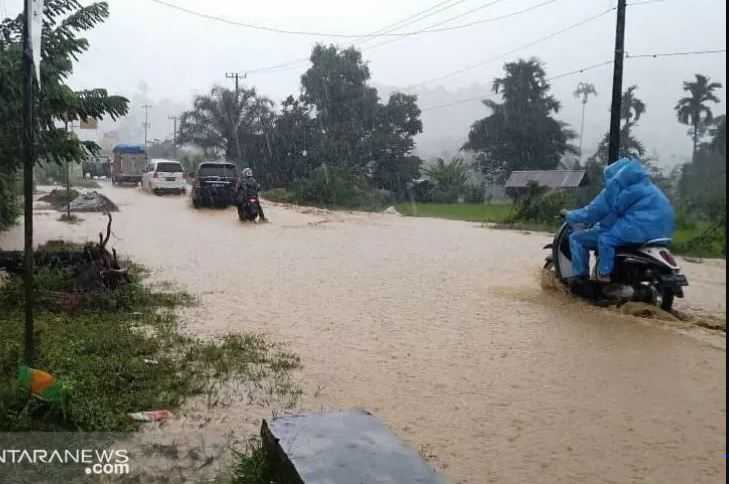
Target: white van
[{"x": 162, "y": 176}]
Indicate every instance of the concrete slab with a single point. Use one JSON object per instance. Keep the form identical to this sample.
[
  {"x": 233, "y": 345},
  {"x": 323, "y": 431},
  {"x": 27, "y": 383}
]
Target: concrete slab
[{"x": 344, "y": 447}]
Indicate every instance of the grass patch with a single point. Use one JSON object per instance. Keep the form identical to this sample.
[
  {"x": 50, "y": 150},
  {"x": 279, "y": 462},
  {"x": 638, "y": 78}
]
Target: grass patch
[
  {"x": 469, "y": 212},
  {"x": 700, "y": 240},
  {"x": 253, "y": 465},
  {"x": 120, "y": 352}
]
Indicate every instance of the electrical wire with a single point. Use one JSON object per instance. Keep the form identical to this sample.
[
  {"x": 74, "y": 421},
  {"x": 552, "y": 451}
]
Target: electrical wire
[
  {"x": 410, "y": 19},
  {"x": 297, "y": 62},
  {"x": 676, "y": 54},
  {"x": 267, "y": 28},
  {"x": 433, "y": 28},
  {"x": 517, "y": 49},
  {"x": 549, "y": 79},
  {"x": 589, "y": 68}
]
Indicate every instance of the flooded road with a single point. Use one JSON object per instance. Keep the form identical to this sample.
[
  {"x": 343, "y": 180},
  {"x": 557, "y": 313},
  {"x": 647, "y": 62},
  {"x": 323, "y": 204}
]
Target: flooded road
[{"x": 442, "y": 329}]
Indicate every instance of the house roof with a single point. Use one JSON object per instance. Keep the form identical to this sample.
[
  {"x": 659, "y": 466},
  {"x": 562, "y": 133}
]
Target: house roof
[{"x": 547, "y": 178}]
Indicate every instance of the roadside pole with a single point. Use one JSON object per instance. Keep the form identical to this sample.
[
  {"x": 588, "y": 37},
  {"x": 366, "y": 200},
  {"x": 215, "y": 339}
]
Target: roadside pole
[
  {"x": 28, "y": 162},
  {"x": 174, "y": 135},
  {"x": 236, "y": 76},
  {"x": 614, "y": 146},
  {"x": 68, "y": 185},
  {"x": 146, "y": 108}
]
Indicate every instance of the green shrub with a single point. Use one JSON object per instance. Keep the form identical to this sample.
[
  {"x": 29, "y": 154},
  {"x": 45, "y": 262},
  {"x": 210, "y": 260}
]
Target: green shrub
[
  {"x": 9, "y": 208},
  {"x": 474, "y": 194},
  {"x": 542, "y": 207}
]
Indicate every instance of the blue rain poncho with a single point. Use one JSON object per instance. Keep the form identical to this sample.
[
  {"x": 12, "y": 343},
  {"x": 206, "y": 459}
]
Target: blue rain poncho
[{"x": 629, "y": 210}]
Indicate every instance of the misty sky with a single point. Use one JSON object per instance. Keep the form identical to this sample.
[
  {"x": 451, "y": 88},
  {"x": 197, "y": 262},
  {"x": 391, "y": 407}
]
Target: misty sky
[{"x": 177, "y": 55}]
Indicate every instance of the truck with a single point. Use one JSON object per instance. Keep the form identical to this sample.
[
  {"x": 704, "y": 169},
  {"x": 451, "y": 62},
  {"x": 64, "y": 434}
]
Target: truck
[
  {"x": 96, "y": 167},
  {"x": 128, "y": 164}
]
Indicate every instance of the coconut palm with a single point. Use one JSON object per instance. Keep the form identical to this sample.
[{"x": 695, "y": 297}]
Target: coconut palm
[
  {"x": 631, "y": 108},
  {"x": 584, "y": 91},
  {"x": 692, "y": 110},
  {"x": 225, "y": 121}
]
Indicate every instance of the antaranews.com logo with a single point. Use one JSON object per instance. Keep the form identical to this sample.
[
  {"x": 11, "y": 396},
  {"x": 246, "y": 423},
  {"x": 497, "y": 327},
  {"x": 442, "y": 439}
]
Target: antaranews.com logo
[{"x": 94, "y": 461}]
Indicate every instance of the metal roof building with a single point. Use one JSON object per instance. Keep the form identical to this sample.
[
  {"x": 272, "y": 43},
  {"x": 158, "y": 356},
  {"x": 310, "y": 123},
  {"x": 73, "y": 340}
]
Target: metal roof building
[{"x": 552, "y": 179}]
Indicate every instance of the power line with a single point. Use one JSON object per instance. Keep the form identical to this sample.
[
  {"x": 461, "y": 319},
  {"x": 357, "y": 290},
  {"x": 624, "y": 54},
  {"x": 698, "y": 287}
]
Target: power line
[
  {"x": 517, "y": 49},
  {"x": 429, "y": 29},
  {"x": 433, "y": 28},
  {"x": 585, "y": 69},
  {"x": 267, "y": 28},
  {"x": 410, "y": 19},
  {"x": 552, "y": 78},
  {"x": 676, "y": 54},
  {"x": 417, "y": 17}
]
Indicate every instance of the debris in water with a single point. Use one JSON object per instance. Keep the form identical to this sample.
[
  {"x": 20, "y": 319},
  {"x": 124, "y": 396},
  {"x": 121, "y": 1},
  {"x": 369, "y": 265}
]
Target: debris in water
[
  {"x": 151, "y": 416},
  {"x": 40, "y": 384}
]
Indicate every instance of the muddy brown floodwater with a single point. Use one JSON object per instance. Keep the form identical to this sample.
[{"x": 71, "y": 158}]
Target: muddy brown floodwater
[{"x": 442, "y": 329}]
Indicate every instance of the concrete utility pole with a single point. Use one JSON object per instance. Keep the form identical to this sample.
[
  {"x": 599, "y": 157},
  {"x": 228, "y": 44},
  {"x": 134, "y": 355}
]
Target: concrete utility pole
[
  {"x": 28, "y": 163},
  {"x": 174, "y": 134},
  {"x": 146, "y": 125},
  {"x": 614, "y": 146},
  {"x": 236, "y": 76}
]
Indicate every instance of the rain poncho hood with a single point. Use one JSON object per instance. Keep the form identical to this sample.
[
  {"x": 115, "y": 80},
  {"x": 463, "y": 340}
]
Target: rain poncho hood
[{"x": 630, "y": 206}]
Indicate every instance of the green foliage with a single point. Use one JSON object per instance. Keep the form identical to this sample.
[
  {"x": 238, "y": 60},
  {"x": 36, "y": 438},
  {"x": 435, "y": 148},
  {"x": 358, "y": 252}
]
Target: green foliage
[
  {"x": 253, "y": 466},
  {"x": 337, "y": 122},
  {"x": 693, "y": 110},
  {"x": 631, "y": 110},
  {"x": 9, "y": 209},
  {"x": 474, "y": 193},
  {"x": 520, "y": 133},
  {"x": 470, "y": 212},
  {"x": 229, "y": 124},
  {"x": 64, "y": 23},
  {"x": 120, "y": 352},
  {"x": 449, "y": 179}
]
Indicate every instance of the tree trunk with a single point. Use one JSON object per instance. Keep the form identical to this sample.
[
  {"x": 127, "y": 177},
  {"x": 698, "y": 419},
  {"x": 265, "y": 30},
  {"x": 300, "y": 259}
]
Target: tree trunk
[{"x": 696, "y": 142}]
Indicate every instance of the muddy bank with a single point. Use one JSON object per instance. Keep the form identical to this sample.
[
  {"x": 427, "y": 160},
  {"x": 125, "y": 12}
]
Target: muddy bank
[{"x": 443, "y": 330}]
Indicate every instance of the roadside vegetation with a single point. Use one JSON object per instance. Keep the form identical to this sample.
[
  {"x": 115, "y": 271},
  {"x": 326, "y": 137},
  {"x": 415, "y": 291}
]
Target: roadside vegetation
[{"x": 118, "y": 352}]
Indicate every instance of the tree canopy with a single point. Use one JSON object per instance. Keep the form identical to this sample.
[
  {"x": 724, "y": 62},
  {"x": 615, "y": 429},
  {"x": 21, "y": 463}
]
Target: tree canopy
[
  {"x": 693, "y": 110},
  {"x": 64, "y": 23},
  {"x": 521, "y": 132},
  {"x": 337, "y": 121}
]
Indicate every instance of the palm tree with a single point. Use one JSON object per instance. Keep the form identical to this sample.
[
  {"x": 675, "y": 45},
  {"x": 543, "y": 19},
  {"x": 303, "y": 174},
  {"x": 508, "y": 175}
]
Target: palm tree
[
  {"x": 584, "y": 90},
  {"x": 223, "y": 120},
  {"x": 631, "y": 108},
  {"x": 692, "y": 110}
]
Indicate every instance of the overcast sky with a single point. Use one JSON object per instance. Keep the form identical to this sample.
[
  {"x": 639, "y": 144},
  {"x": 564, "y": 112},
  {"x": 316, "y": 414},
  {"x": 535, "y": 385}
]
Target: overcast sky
[{"x": 178, "y": 55}]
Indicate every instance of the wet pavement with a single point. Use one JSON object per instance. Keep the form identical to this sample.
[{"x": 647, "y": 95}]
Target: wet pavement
[{"x": 442, "y": 329}]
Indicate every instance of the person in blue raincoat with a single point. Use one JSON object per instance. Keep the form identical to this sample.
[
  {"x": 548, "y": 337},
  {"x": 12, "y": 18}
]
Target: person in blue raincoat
[{"x": 629, "y": 210}]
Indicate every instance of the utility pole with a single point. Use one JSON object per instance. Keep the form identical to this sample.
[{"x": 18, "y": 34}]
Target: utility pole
[
  {"x": 614, "y": 146},
  {"x": 146, "y": 108},
  {"x": 174, "y": 134},
  {"x": 236, "y": 76},
  {"x": 28, "y": 162}
]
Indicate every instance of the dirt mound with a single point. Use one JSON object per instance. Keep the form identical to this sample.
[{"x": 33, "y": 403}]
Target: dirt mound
[
  {"x": 93, "y": 202},
  {"x": 58, "y": 198}
]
